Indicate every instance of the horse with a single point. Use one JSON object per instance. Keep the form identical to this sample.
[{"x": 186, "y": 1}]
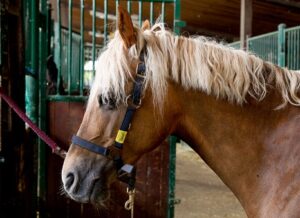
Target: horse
[
  {"x": 239, "y": 113},
  {"x": 51, "y": 78}
]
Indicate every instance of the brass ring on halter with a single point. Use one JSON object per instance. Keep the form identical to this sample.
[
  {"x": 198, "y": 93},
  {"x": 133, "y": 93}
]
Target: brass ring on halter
[{"x": 129, "y": 102}]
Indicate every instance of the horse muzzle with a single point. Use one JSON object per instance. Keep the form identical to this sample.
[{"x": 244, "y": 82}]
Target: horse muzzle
[{"x": 87, "y": 184}]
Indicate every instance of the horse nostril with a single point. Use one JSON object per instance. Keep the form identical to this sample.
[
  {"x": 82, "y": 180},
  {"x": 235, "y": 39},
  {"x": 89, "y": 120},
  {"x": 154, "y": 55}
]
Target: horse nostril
[{"x": 70, "y": 178}]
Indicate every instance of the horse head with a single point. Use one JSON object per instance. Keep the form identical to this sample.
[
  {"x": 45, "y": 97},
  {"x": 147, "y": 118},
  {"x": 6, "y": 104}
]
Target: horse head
[{"x": 120, "y": 89}]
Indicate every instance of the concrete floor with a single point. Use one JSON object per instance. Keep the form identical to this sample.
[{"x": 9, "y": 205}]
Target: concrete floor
[{"x": 202, "y": 193}]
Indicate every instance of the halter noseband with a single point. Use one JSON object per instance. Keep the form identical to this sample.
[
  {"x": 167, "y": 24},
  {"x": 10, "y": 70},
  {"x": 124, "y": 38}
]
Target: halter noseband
[{"x": 126, "y": 173}]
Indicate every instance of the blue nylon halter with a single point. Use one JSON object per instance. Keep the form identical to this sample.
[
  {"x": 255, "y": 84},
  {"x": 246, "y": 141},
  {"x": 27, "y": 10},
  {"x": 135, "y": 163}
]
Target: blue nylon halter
[
  {"x": 90, "y": 146},
  {"x": 126, "y": 173},
  {"x": 136, "y": 101}
]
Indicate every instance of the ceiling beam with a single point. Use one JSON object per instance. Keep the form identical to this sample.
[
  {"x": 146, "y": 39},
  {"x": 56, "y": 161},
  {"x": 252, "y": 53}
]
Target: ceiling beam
[
  {"x": 288, "y": 3},
  {"x": 194, "y": 30}
]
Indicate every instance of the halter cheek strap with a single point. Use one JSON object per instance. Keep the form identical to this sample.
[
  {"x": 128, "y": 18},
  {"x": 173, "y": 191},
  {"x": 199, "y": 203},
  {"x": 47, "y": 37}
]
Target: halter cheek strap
[
  {"x": 126, "y": 173},
  {"x": 133, "y": 104}
]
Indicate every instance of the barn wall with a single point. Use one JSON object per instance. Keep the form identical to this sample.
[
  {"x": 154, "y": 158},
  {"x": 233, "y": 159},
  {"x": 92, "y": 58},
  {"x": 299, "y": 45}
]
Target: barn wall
[{"x": 16, "y": 156}]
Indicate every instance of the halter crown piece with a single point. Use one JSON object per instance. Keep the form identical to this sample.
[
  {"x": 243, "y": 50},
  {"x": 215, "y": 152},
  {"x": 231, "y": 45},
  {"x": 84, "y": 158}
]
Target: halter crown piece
[{"x": 126, "y": 172}]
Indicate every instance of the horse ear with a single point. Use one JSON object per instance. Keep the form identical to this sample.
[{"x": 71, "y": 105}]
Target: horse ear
[
  {"x": 125, "y": 27},
  {"x": 146, "y": 25}
]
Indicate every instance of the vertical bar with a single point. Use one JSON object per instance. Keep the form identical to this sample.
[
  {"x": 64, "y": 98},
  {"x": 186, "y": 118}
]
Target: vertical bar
[
  {"x": 70, "y": 46},
  {"x": 266, "y": 40},
  {"x": 151, "y": 13},
  {"x": 27, "y": 29},
  {"x": 172, "y": 175},
  {"x": 177, "y": 15},
  {"x": 270, "y": 48},
  {"x": 172, "y": 139},
  {"x": 276, "y": 44},
  {"x": 94, "y": 35},
  {"x": 273, "y": 48},
  {"x": 129, "y": 6},
  {"x": 105, "y": 23},
  {"x": 81, "y": 72},
  {"x": 245, "y": 22},
  {"x": 249, "y": 44},
  {"x": 140, "y": 13},
  {"x": 32, "y": 83},
  {"x": 277, "y": 48},
  {"x": 41, "y": 171},
  {"x": 59, "y": 46},
  {"x": 265, "y": 51},
  {"x": 261, "y": 47},
  {"x": 298, "y": 48},
  {"x": 43, "y": 53},
  {"x": 281, "y": 45},
  {"x": 163, "y": 8},
  {"x": 288, "y": 50},
  {"x": 294, "y": 49},
  {"x": 1, "y": 35}
]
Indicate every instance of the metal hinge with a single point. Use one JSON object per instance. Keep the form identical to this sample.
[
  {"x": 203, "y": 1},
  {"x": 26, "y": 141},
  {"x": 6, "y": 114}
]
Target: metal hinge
[
  {"x": 173, "y": 202},
  {"x": 179, "y": 23}
]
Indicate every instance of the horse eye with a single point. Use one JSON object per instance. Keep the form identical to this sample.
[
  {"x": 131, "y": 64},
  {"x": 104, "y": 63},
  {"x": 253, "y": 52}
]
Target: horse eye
[{"x": 107, "y": 103}]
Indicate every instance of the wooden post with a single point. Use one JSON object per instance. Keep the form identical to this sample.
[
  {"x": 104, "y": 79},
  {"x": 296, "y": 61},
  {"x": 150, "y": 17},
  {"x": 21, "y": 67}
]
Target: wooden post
[{"x": 245, "y": 22}]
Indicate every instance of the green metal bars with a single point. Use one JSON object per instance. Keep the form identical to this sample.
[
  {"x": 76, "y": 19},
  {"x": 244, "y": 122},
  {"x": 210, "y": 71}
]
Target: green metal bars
[
  {"x": 58, "y": 46},
  {"x": 281, "y": 47},
  {"x": 70, "y": 34},
  {"x": 36, "y": 52},
  {"x": 265, "y": 46},
  {"x": 81, "y": 47},
  {"x": 93, "y": 36},
  {"x": 105, "y": 32},
  {"x": 292, "y": 39},
  {"x": 75, "y": 72},
  {"x": 172, "y": 176}
]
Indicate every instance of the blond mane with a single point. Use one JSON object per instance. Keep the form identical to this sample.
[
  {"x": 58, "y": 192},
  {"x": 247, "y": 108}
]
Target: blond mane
[{"x": 196, "y": 63}]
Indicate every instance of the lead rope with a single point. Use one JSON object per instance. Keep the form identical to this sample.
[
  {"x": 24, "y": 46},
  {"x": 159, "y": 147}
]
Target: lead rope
[
  {"x": 13, "y": 105},
  {"x": 129, "y": 204}
]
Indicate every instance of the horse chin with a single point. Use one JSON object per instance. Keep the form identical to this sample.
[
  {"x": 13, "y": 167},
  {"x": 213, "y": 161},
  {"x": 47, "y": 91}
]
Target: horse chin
[{"x": 99, "y": 195}]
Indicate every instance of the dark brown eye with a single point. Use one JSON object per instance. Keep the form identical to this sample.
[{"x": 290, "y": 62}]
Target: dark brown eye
[{"x": 108, "y": 103}]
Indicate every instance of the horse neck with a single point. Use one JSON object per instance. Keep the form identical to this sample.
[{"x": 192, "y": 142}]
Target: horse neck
[{"x": 239, "y": 143}]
